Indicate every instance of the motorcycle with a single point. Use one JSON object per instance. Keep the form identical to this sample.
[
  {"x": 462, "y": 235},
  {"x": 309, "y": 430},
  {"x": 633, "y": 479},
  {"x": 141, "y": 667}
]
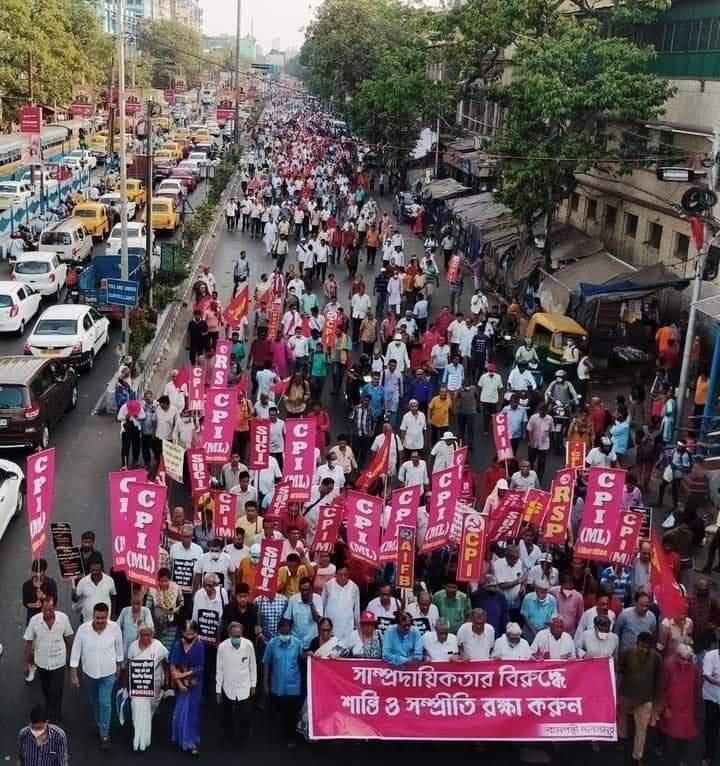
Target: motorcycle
[{"x": 561, "y": 414}]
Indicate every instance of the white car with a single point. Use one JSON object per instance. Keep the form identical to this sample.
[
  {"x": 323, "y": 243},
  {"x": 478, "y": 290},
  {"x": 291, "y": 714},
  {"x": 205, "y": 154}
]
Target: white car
[
  {"x": 85, "y": 154},
  {"x": 136, "y": 237},
  {"x": 73, "y": 163},
  {"x": 14, "y": 193},
  {"x": 198, "y": 157},
  {"x": 43, "y": 271},
  {"x": 213, "y": 128},
  {"x": 18, "y": 305},
  {"x": 172, "y": 185},
  {"x": 112, "y": 199},
  {"x": 192, "y": 165},
  {"x": 12, "y": 492},
  {"x": 49, "y": 184},
  {"x": 73, "y": 332}
]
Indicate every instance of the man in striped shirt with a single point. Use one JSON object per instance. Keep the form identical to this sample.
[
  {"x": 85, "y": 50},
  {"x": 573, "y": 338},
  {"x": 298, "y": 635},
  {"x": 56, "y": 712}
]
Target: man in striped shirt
[{"x": 42, "y": 743}]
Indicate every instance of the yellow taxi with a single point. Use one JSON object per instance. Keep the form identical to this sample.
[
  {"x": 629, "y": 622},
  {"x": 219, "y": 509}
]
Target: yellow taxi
[
  {"x": 165, "y": 157},
  {"x": 201, "y": 135},
  {"x": 181, "y": 134},
  {"x": 163, "y": 123},
  {"x": 136, "y": 191},
  {"x": 175, "y": 148},
  {"x": 94, "y": 217},
  {"x": 164, "y": 216}
]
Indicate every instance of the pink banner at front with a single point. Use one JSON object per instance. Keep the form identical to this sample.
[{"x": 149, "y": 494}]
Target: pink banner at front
[
  {"x": 119, "y": 491},
  {"x": 501, "y": 436},
  {"x": 219, "y": 426},
  {"x": 404, "y": 503},
  {"x": 443, "y": 499},
  {"x": 363, "y": 515},
  {"x": 197, "y": 470},
  {"x": 40, "y": 497},
  {"x": 330, "y": 518},
  {"x": 299, "y": 456},
  {"x": 551, "y": 701},
  {"x": 146, "y": 510},
  {"x": 196, "y": 389},
  {"x": 225, "y": 504},
  {"x": 266, "y": 577},
  {"x": 220, "y": 370},
  {"x": 601, "y": 513},
  {"x": 259, "y": 443}
]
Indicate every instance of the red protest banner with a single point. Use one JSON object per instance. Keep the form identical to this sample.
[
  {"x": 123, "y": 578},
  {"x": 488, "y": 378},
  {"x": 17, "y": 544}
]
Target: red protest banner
[
  {"x": 259, "y": 455},
  {"x": 299, "y": 456},
  {"x": 280, "y": 499},
  {"x": 274, "y": 319},
  {"x": 504, "y": 521},
  {"x": 119, "y": 488},
  {"x": 268, "y": 568},
  {"x": 627, "y": 537},
  {"x": 197, "y": 470},
  {"x": 552, "y": 700},
  {"x": 363, "y": 517},
  {"x": 328, "y": 526},
  {"x": 537, "y": 504},
  {"x": 146, "y": 510},
  {"x": 575, "y": 453},
  {"x": 443, "y": 499},
  {"x": 196, "y": 389},
  {"x": 220, "y": 371},
  {"x": 219, "y": 424},
  {"x": 501, "y": 436},
  {"x": 405, "y": 557},
  {"x": 557, "y": 518},
  {"x": 404, "y": 503},
  {"x": 31, "y": 119},
  {"x": 40, "y": 497},
  {"x": 472, "y": 545},
  {"x": 664, "y": 586},
  {"x": 328, "y": 333},
  {"x": 225, "y": 504},
  {"x": 601, "y": 512},
  {"x": 237, "y": 309}
]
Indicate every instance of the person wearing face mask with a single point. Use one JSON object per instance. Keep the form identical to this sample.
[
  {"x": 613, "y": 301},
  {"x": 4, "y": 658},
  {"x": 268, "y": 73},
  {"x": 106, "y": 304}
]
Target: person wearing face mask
[
  {"x": 537, "y": 610},
  {"x": 248, "y": 568},
  {"x": 217, "y": 562},
  {"x": 235, "y": 682},
  {"x": 42, "y": 742},
  {"x": 597, "y": 641},
  {"x": 330, "y": 470},
  {"x": 511, "y": 645},
  {"x": 282, "y": 682}
]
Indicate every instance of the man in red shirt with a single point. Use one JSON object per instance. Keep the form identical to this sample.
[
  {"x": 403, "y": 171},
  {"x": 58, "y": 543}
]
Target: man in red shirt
[
  {"x": 260, "y": 353},
  {"x": 599, "y": 416}
]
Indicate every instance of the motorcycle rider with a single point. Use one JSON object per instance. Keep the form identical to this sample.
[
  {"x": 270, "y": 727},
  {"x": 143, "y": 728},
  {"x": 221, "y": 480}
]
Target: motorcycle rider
[
  {"x": 561, "y": 390},
  {"x": 527, "y": 353},
  {"x": 520, "y": 381}
]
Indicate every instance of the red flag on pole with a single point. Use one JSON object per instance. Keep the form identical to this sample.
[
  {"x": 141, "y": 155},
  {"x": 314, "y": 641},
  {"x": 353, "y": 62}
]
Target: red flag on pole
[
  {"x": 665, "y": 588},
  {"x": 237, "y": 308},
  {"x": 377, "y": 467}
]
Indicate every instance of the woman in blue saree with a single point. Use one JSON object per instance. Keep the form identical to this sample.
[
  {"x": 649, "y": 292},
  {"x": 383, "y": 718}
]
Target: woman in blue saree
[{"x": 187, "y": 661}]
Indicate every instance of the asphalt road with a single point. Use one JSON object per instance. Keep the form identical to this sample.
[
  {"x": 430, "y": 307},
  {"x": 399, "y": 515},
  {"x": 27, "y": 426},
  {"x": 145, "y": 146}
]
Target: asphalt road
[{"x": 88, "y": 447}]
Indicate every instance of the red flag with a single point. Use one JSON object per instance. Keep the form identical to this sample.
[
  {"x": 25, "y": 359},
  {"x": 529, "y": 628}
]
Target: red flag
[
  {"x": 243, "y": 384},
  {"x": 237, "y": 308},
  {"x": 280, "y": 388},
  {"x": 305, "y": 327},
  {"x": 697, "y": 229},
  {"x": 377, "y": 467},
  {"x": 665, "y": 588}
]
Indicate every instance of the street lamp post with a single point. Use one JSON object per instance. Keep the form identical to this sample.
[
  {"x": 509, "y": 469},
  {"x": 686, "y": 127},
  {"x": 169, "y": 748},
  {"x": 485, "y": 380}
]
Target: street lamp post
[{"x": 124, "y": 266}]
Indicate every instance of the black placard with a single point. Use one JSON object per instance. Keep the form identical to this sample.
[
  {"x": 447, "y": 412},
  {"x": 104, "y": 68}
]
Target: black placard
[
  {"x": 208, "y": 622},
  {"x": 69, "y": 562},
  {"x": 383, "y": 623},
  {"x": 142, "y": 677},
  {"x": 422, "y": 624},
  {"x": 61, "y": 534},
  {"x": 646, "y": 525},
  {"x": 182, "y": 570}
]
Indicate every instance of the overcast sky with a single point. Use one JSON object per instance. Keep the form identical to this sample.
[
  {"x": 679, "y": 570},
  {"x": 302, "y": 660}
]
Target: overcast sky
[{"x": 285, "y": 19}]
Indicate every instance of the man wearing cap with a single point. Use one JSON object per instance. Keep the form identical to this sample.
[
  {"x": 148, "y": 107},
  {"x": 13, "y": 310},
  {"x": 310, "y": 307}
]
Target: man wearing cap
[
  {"x": 413, "y": 427},
  {"x": 402, "y": 642},
  {"x": 443, "y": 452},
  {"x": 601, "y": 456},
  {"x": 490, "y": 386},
  {"x": 476, "y": 638},
  {"x": 537, "y": 609},
  {"x": 553, "y": 643},
  {"x": 440, "y": 645},
  {"x": 511, "y": 645},
  {"x": 489, "y": 599},
  {"x": 398, "y": 351},
  {"x": 680, "y": 466}
]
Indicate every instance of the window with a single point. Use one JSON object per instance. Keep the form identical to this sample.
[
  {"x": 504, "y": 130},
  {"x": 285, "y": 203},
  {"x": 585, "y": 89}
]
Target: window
[
  {"x": 574, "y": 202},
  {"x": 681, "y": 38},
  {"x": 655, "y": 232},
  {"x": 682, "y": 246},
  {"x": 592, "y": 210},
  {"x": 610, "y": 217},
  {"x": 631, "y": 222},
  {"x": 87, "y": 322}
]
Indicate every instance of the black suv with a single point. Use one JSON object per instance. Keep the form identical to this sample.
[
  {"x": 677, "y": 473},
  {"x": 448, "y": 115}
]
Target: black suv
[{"x": 34, "y": 394}]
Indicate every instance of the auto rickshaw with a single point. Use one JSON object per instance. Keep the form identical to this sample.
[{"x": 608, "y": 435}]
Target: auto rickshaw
[{"x": 550, "y": 334}]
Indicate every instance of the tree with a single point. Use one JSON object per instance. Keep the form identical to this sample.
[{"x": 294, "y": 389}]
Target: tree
[
  {"x": 568, "y": 89},
  {"x": 174, "y": 47}
]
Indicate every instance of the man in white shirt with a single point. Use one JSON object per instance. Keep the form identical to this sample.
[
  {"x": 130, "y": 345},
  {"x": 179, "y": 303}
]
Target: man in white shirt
[
  {"x": 553, "y": 643},
  {"x": 217, "y": 562},
  {"x": 330, "y": 470},
  {"x": 230, "y": 472},
  {"x": 424, "y": 613},
  {"x": 414, "y": 471},
  {"x": 543, "y": 572},
  {"x": 299, "y": 345},
  {"x": 440, "y": 645},
  {"x": 490, "y": 384},
  {"x": 360, "y": 305},
  {"x": 207, "y": 609},
  {"x": 237, "y": 550},
  {"x": 98, "y": 647},
  {"x": 511, "y": 646},
  {"x": 166, "y": 417},
  {"x": 245, "y": 492},
  {"x": 183, "y": 556},
  {"x": 398, "y": 351},
  {"x": 320, "y": 495},
  {"x": 510, "y": 576},
  {"x": 476, "y": 638},
  {"x": 341, "y": 604},
  {"x": 266, "y": 477},
  {"x": 443, "y": 452},
  {"x": 95, "y": 588},
  {"x": 235, "y": 682},
  {"x": 600, "y": 641},
  {"x": 48, "y": 638},
  {"x": 601, "y": 609},
  {"x": 525, "y": 478},
  {"x": 277, "y": 436},
  {"x": 385, "y": 607},
  {"x": 413, "y": 427}
]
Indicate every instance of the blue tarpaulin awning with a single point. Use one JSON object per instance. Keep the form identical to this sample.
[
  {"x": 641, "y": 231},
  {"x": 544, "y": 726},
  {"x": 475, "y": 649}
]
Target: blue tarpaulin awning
[{"x": 642, "y": 282}]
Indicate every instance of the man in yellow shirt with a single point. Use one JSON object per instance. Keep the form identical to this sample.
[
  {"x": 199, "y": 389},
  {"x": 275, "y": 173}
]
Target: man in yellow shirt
[
  {"x": 439, "y": 412},
  {"x": 290, "y": 575},
  {"x": 251, "y": 524}
]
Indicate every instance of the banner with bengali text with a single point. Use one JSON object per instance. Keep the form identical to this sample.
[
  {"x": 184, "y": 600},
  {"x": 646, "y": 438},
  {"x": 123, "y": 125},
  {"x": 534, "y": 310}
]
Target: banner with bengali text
[{"x": 529, "y": 701}]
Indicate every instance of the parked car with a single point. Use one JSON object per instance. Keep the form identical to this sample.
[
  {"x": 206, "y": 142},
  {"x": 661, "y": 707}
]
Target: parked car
[
  {"x": 19, "y": 304},
  {"x": 34, "y": 395},
  {"x": 12, "y": 493},
  {"x": 74, "y": 333},
  {"x": 68, "y": 239},
  {"x": 186, "y": 177},
  {"x": 14, "y": 193},
  {"x": 48, "y": 184},
  {"x": 42, "y": 271}
]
